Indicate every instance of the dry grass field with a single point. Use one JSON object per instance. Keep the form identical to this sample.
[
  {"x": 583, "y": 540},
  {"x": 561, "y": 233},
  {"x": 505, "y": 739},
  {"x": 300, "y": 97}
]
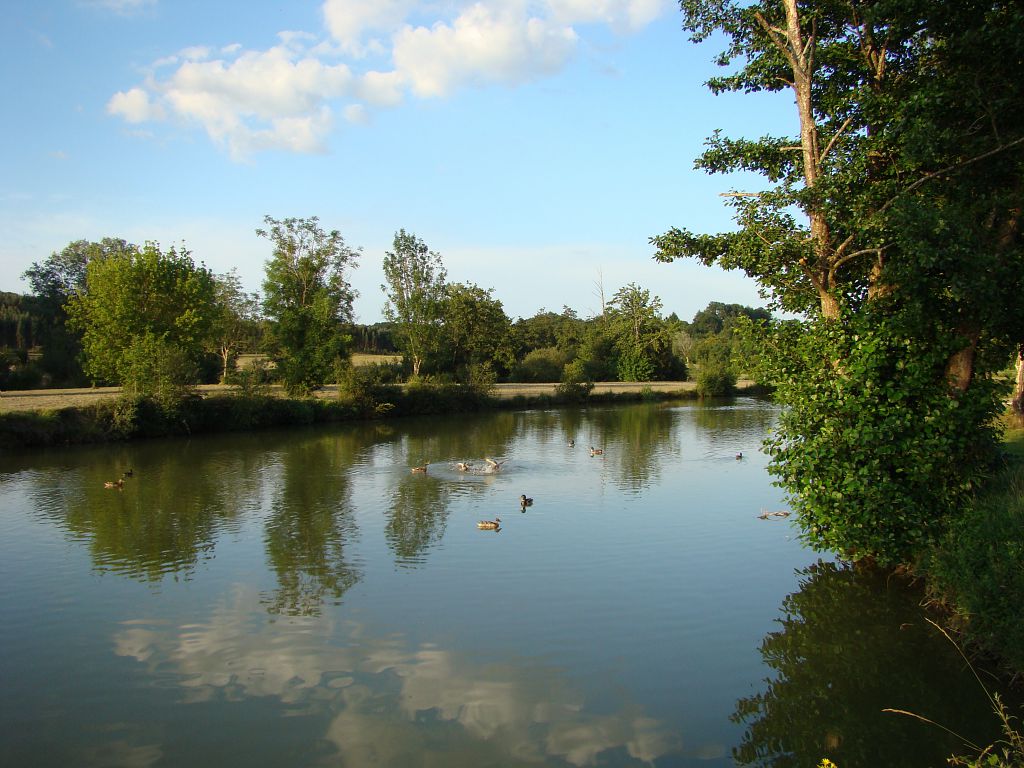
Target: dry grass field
[{"x": 53, "y": 399}]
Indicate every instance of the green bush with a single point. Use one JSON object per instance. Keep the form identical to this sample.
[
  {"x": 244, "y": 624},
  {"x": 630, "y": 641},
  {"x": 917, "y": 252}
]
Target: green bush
[
  {"x": 979, "y": 565},
  {"x": 252, "y": 381},
  {"x": 154, "y": 368},
  {"x": 715, "y": 381},
  {"x": 22, "y": 376},
  {"x": 541, "y": 366},
  {"x": 366, "y": 390},
  {"x": 634, "y": 365}
]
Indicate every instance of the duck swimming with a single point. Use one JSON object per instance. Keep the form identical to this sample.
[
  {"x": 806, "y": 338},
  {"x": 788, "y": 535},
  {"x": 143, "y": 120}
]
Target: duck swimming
[
  {"x": 114, "y": 484},
  {"x": 525, "y": 501},
  {"x": 463, "y": 466},
  {"x": 421, "y": 468},
  {"x": 489, "y": 525},
  {"x": 596, "y": 451}
]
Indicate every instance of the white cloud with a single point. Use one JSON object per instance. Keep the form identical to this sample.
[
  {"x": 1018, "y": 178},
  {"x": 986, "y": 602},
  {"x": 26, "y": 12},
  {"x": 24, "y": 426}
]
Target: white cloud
[
  {"x": 285, "y": 96},
  {"x": 356, "y": 113},
  {"x": 621, "y": 15},
  {"x": 349, "y": 20},
  {"x": 261, "y": 100},
  {"x": 195, "y": 53},
  {"x": 384, "y": 89},
  {"x": 483, "y": 45},
  {"x": 134, "y": 106}
]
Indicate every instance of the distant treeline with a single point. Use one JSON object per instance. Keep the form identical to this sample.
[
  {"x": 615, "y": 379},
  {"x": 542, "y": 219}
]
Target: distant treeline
[
  {"x": 38, "y": 350},
  {"x": 21, "y": 322}
]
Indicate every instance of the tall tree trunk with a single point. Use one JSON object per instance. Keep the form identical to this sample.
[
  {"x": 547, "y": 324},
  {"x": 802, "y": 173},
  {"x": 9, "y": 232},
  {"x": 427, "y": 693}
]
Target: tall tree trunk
[
  {"x": 960, "y": 368},
  {"x": 1018, "y": 390}
]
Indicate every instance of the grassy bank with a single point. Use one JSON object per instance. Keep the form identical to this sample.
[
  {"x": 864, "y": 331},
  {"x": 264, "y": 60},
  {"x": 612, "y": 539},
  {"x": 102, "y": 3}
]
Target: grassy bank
[
  {"x": 977, "y": 571},
  {"x": 126, "y": 418}
]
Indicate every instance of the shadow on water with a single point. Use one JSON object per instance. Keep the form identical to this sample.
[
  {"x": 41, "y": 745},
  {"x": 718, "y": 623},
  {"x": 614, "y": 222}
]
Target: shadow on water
[{"x": 853, "y": 641}]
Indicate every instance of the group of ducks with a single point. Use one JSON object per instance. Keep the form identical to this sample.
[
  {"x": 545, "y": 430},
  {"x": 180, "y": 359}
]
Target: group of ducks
[
  {"x": 593, "y": 451},
  {"x": 119, "y": 483},
  {"x": 495, "y": 524},
  {"x": 465, "y": 466},
  {"x": 495, "y": 466}
]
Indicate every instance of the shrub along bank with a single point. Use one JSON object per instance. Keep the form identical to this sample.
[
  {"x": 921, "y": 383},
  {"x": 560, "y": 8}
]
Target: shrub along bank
[
  {"x": 976, "y": 570},
  {"x": 128, "y": 417}
]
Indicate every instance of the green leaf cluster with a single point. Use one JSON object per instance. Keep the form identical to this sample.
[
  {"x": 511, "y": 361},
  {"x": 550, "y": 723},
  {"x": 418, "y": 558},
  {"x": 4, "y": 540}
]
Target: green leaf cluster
[
  {"x": 307, "y": 299},
  {"x": 139, "y": 300}
]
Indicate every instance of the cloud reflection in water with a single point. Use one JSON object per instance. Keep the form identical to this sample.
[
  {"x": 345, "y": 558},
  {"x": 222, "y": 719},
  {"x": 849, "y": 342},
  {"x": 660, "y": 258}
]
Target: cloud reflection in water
[{"x": 384, "y": 701}]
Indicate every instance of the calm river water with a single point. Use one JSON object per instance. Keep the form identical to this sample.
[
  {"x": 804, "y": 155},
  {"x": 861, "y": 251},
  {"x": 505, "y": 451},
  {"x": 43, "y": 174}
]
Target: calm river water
[{"x": 303, "y": 599}]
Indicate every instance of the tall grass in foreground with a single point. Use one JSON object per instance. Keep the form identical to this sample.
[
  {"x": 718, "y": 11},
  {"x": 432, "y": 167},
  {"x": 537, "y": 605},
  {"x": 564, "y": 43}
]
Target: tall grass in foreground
[
  {"x": 977, "y": 573},
  {"x": 1007, "y": 752},
  {"x": 977, "y": 570}
]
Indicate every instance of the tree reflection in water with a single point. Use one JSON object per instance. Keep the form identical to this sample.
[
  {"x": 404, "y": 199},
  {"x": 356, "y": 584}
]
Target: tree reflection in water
[
  {"x": 310, "y": 522},
  {"x": 167, "y": 517},
  {"x": 843, "y": 654}
]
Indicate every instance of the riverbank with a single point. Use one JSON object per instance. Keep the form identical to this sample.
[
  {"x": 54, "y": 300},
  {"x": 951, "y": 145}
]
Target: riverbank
[
  {"x": 54, "y": 399},
  {"x": 42, "y": 418},
  {"x": 976, "y": 572}
]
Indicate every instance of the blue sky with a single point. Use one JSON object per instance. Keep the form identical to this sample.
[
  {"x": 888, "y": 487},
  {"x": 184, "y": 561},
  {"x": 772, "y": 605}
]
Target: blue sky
[{"x": 536, "y": 145}]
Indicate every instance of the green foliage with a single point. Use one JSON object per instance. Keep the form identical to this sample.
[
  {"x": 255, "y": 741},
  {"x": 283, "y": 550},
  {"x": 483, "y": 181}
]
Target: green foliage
[
  {"x": 892, "y": 227},
  {"x": 876, "y": 455},
  {"x": 476, "y": 330},
  {"x": 416, "y": 292},
  {"x": 308, "y": 299},
  {"x": 717, "y": 318},
  {"x": 154, "y": 368},
  {"x": 54, "y": 281},
  {"x": 574, "y": 391},
  {"x": 641, "y": 337},
  {"x": 541, "y": 365},
  {"x": 977, "y": 566},
  {"x": 368, "y": 389},
  {"x": 634, "y": 364},
  {"x": 597, "y": 353},
  {"x": 715, "y": 381},
  {"x": 252, "y": 381},
  {"x": 481, "y": 378},
  {"x": 142, "y": 294},
  {"x": 574, "y": 387},
  {"x": 236, "y": 320},
  {"x": 564, "y": 331},
  {"x": 16, "y": 372}
]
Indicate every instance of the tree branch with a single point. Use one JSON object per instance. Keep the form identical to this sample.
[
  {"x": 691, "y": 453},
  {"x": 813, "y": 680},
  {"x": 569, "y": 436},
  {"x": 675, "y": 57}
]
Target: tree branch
[
  {"x": 832, "y": 141},
  {"x": 947, "y": 170}
]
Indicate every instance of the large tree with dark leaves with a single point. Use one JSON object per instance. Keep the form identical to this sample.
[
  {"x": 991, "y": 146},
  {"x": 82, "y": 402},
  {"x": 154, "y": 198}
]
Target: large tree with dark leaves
[{"x": 890, "y": 224}]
